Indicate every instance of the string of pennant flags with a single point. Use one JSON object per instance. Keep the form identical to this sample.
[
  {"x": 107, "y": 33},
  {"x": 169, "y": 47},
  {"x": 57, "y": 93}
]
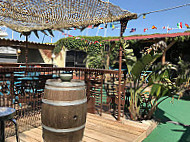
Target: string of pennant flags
[
  {"x": 179, "y": 26},
  {"x": 112, "y": 26}
]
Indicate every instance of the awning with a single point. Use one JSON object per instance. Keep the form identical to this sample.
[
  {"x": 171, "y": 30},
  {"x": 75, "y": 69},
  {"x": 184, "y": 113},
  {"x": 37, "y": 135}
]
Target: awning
[{"x": 31, "y": 15}]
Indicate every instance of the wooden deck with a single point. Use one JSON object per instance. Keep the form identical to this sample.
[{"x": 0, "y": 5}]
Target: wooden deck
[{"x": 100, "y": 129}]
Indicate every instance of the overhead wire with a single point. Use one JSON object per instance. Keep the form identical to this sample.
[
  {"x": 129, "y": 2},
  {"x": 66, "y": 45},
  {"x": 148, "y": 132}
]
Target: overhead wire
[{"x": 165, "y": 9}]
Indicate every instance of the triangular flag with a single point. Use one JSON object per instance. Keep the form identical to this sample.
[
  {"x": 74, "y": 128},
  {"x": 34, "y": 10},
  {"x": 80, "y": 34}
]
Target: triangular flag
[
  {"x": 70, "y": 35},
  {"x": 145, "y": 29},
  {"x": 169, "y": 29},
  {"x": 89, "y": 27},
  {"x": 105, "y": 25},
  {"x": 96, "y": 25},
  {"x": 111, "y": 25},
  {"x": 154, "y": 27},
  {"x": 179, "y": 25},
  {"x": 132, "y": 30},
  {"x": 163, "y": 27},
  {"x": 187, "y": 26}
]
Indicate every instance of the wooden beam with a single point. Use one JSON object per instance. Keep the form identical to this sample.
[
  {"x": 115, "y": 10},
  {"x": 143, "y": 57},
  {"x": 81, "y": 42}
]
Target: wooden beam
[
  {"x": 164, "y": 53},
  {"x": 151, "y": 40},
  {"x": 22, "y": 44},
  {"x": 170, "y": 45}
]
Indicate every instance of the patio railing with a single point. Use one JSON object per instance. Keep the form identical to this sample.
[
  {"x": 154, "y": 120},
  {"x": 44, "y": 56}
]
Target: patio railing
[{"x": 22, "y": 87}]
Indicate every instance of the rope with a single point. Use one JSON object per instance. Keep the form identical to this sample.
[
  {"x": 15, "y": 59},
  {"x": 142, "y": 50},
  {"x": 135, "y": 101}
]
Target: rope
[{"x": 165, "y": 9}]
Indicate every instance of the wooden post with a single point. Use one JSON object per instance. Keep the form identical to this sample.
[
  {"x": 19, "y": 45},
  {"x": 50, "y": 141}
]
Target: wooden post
[
  {"x": 12, "y": 89},
  {"x": 164, "y": 53},
  {"x": 124, "y": 92},
  {"x": 101, "y": 91},
  {"x": 119, "y": 92},
  {"x": 123, "y": 27},
  {"x": 26, "y": 50},
  {"x": 164, "y": 57}
]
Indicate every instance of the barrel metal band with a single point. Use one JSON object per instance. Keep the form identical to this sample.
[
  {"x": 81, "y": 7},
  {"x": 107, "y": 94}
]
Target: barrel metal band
[
  {"x": 64, "y": 103},
  {"x": 63, "y": 130},
  {"x": 64, "y": 89}
]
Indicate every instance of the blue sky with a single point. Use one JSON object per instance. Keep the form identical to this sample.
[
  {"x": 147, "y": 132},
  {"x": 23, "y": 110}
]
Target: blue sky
[{"x": 160, "y": 19}]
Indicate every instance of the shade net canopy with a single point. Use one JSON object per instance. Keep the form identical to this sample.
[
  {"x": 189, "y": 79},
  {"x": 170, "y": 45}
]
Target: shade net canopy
[{"x": 34, "y": 15}]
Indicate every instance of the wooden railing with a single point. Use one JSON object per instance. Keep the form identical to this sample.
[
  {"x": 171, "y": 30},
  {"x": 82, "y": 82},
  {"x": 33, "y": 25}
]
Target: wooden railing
[{"x": 22, "y": 87}]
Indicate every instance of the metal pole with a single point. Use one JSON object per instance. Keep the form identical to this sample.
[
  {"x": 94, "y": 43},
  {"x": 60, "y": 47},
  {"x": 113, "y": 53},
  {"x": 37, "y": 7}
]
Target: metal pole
[
  {"x": 101, "y": 92},
  {"x": 2, "y": 131},
  {"x": 26, "y": 50},
  {"x": 123, "y": 27},
  {"x": 119, "y": 93}
]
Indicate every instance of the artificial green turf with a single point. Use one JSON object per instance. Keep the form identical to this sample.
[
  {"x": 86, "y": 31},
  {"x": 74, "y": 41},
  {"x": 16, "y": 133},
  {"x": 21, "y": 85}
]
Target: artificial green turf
[{"x": 178, "y": 111}]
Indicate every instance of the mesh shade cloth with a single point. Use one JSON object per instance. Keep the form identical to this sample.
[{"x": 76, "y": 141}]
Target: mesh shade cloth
[{"x": 31, "y": 15}]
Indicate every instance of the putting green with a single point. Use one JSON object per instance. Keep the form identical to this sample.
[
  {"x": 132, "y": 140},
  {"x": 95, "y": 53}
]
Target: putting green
[{"x": 174, "y": 120}]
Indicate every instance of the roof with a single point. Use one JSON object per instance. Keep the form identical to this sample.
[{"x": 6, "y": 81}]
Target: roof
[
  {"x": 22, "y": 44},
  {"x": 29, "y": 15},
  {"x": 155, "y": 36}
]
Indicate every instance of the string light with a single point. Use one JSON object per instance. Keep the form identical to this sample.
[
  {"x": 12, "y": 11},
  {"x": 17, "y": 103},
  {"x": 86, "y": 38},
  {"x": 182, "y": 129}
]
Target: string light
[
  {"x": 18, "y": 51},
  {"x": 144, "y": 16}
]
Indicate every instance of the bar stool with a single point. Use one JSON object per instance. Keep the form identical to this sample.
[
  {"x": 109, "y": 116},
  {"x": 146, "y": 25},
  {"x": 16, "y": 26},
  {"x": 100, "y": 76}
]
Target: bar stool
[{"x": 7, "y": 113}]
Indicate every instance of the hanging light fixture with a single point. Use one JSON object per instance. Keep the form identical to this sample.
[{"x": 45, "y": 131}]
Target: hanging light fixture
[
  {"x": 53, "y": 56},
  {"x": 18, "y": 51}
]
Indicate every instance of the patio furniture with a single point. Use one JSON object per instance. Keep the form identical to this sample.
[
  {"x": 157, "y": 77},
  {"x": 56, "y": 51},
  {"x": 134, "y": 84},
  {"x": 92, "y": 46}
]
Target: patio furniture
[{"x": 7, "y": 113}]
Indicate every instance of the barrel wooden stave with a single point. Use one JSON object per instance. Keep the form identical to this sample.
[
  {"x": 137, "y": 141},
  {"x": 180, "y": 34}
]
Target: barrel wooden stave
[
  {"x": 67, "y": 117},
  {"x": 63, "y": 117},
  {"x": 65, "y": 95},
  {"x": 63, "y": 137}
]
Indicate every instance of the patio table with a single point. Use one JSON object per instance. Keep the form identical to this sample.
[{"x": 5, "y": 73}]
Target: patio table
[{"x": 7, "y": 113}]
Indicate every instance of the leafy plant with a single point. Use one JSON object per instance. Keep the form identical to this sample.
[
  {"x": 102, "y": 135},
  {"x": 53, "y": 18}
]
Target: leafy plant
[
  {"x": 96, "y": 61},
  {"x": 160, "y": 83},
  {"x": 183, "y": 78},
  {"x": 86, "y": 44}
]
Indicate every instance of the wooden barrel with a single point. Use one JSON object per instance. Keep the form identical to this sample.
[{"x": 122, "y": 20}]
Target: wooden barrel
[{"x": 63, "y": 111}]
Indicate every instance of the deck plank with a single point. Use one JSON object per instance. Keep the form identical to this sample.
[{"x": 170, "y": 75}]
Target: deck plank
[
  {"x": 26, "y": 138},
  {"x": 115, "y": 125},
  {"x": 97, "y": 129},
  {"x": 33, "y": 135},
  {"x": 89, "y": 139},
  {"x": 111, "y": 132},
  {"x": 98, "y": 135}
]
